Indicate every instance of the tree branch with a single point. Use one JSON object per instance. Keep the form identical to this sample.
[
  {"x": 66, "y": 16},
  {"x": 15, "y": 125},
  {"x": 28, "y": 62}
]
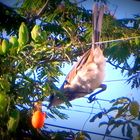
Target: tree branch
[
  {"x": 42, "y": 9},
  {"x": 39, "y": 13},
  {"x": 123, "y": 68}
]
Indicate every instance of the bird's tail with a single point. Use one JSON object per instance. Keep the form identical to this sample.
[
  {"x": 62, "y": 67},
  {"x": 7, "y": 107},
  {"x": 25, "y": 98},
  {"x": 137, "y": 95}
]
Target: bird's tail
[{"x": 97, "y": 19}]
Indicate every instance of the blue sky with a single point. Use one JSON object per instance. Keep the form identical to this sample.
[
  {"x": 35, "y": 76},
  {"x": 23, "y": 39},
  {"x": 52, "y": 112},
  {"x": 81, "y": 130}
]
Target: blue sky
[
  {"x": 114, "y": 90},
  {"x": 125, "y": 8}
]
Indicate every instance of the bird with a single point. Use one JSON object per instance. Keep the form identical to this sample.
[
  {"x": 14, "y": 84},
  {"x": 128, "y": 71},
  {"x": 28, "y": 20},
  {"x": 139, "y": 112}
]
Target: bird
[{"x": 89, "y": 71}]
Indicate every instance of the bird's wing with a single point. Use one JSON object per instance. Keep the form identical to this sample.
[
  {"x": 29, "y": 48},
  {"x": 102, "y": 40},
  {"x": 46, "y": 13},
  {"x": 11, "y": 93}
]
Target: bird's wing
[
  {"x": 88, "y": 56},
  {"x": 77, "y": 66}
]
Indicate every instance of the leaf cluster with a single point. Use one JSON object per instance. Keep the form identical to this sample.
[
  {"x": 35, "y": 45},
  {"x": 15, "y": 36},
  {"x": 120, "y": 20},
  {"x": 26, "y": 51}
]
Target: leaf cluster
[
  {"x": 120, "y": 115},
  {"x": 26, "y": 78}
]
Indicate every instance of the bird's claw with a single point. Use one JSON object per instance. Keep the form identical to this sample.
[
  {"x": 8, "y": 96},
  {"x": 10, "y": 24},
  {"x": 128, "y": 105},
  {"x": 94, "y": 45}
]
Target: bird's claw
[{"x": 90, "y": 99}]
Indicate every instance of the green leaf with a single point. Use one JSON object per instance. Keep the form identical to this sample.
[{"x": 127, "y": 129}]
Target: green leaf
[
  {"x": 112, "y": 109},
  {"x": 112, "y": 101},
  {"x": 13, "y": 120},
  {"x": 111, "y": 120},
  {"x": 103, "y": 123},
  {"x": 14, "y": 41},
  {"x": 122, "y": 49},
  {"x": 23, "y": 35},
  {"x": 138, "y": 129},
  {"x": 119, "y": 122},
  {"x": 99, "y": 115},
  {"x": 123, "y": 129},
  {"x": 139, "y": 116},
  {"x": 86, "y": 135},
  {"x": 5, "y": 46},
  {"x": 58, "y": 113},
  {"x": 134, "y": 108},
  {"x": 94, "y": 118},
  {"x": 36, "y": 33},
  {"x": 129, "y": 131},
  {"x": 137, "y": 41},
  {"x": 14, "y": 46},
  {"x": 122, "y": 110},
  {"x": 4, "y": 84},
  {"x": 50, "y": 115},
  {"x": 121, "y": 100},
  {"x": 3, "y": 102},
  {"x": 107, "y": 132}
]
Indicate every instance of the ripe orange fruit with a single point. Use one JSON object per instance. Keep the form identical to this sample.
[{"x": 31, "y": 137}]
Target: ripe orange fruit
[{"x": 38, "y": 119}]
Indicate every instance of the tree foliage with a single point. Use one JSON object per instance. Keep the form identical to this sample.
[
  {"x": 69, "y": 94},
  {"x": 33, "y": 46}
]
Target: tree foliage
[
  {"x": 125, "y": 116},
  {"x": 40, "y": 37}
]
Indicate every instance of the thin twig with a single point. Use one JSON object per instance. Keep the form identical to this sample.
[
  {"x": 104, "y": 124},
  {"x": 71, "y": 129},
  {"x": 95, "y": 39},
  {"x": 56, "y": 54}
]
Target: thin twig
[
  {"x": 88, "y": 116},
  {"x": 123, "y": 68},
  {"x": 105, "y": 112},
  {"x": 42, "y": 9},
  {"x": 115, "y": 10},
  {"x": 79, "y": 2}
]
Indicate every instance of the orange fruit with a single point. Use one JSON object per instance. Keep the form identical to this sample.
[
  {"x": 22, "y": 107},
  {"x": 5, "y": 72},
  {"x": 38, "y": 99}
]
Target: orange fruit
[{"x": 38, "y": 119}]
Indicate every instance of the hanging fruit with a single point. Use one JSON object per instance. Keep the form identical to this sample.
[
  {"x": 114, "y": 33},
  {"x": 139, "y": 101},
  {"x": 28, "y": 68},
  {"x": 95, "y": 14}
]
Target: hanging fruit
[
  {"x": 23, "y": 35},
  {"x": 4, "y": 46},
  {"x": 3, "y": 102},
  {"x": 134, "y": 108},
  {"x": 14, "y": 42},
  {"x": 13, "y": 120},
  {"x": 14, "y": 45},
  {"x": 37, "y": 34},
  {"x": 38, "y": 119}
]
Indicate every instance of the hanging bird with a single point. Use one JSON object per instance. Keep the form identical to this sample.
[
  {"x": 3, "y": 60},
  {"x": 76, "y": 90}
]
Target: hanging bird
[{"x": 88, "y": 73}]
